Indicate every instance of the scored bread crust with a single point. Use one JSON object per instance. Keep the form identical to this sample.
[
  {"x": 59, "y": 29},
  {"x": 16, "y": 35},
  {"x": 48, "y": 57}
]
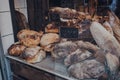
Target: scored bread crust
[{"x": 29, "y": 37}]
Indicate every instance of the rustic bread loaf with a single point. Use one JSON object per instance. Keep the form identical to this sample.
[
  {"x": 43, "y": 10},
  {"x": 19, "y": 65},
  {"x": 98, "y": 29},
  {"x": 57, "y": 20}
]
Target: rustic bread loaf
[
  {"x": 29, "y": 37},
  {"x": 16, "y": 49}
]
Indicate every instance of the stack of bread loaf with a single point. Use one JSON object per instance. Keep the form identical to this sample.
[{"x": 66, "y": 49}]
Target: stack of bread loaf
[
  {"x": 32, "y": 45},
  {"x": 82, "y": 58}
]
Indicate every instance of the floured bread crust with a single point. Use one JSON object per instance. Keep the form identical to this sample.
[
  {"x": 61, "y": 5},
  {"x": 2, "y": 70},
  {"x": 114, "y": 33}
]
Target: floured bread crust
[
  {"x": 33, "y": 54},
  {"x": 49, "y": 38}
]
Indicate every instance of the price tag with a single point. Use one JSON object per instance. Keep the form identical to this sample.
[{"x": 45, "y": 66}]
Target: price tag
[{"x": 66, "y": 32}]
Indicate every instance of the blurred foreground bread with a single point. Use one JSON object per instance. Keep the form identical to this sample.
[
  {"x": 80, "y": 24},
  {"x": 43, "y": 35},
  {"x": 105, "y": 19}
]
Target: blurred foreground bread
[{"x": 29, "y": 37}]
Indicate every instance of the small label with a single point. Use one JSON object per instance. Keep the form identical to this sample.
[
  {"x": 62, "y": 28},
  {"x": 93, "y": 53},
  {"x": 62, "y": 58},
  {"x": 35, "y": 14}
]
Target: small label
[{"x": 66, "y": 32}]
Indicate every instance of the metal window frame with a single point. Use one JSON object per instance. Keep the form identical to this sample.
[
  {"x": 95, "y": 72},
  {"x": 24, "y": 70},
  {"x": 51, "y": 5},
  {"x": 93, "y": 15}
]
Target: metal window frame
[{"x": 4, "y": 64}]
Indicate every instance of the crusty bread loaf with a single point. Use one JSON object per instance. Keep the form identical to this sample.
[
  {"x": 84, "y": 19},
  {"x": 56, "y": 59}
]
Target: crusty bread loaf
[
  {"x": 16, "y": 49},
  {"x": 51, "y": 28},
  {"x": 104, "y": 39},
  {"x": 87, "y": 69},
  {"x": 33, "y": 54},
  {"x": 30, "y": 52},
  {"x": 29, "y": 37},
  {"x": 63, "y": 49},
  {"x": 65, "y": 12},
  {"x": 77, "y": 56},
  {"x": 37, "y": 58},
  {"x": 49, "y": 38}
]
